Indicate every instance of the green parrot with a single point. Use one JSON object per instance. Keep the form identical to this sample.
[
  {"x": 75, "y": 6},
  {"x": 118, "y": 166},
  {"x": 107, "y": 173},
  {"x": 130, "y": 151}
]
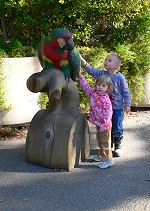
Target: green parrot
[{"x": 58, "y": 51}]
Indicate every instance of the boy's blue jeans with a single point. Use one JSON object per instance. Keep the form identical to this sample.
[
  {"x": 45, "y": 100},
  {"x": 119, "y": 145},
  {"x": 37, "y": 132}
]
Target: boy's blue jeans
[{"x": 117, "y": 124}]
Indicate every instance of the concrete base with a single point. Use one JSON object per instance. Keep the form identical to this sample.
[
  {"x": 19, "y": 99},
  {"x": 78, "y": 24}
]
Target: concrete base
[
  {"x": 145, "y": 102},
  {"x": 24, "y": 104}
]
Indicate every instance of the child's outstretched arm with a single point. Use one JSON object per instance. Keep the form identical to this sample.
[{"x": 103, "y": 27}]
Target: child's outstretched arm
[
  {"x": 89, "y": 69},
  {"x": 80, "y": 74},
  {"x": 84, "y": 84},
  {"x": 83, "y": 61}
]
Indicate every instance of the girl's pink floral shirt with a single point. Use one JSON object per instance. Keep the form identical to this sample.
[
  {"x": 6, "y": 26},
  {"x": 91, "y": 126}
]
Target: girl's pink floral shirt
[{"x": 100, "y": 106}]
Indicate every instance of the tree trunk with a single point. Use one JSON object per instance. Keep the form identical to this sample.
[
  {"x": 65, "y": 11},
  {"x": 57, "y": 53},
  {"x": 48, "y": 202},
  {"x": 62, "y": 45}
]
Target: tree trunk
[{"x": 4, "y": 30}]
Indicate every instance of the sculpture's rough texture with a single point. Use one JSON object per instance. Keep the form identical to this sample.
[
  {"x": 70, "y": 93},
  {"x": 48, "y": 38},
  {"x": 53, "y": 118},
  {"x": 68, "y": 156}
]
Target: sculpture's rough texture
[{"x": 58, "y": 136}]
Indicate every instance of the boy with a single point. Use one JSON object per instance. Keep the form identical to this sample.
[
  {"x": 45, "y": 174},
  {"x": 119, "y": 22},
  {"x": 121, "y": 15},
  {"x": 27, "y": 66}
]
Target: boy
[{"x": 120, "y": 97}]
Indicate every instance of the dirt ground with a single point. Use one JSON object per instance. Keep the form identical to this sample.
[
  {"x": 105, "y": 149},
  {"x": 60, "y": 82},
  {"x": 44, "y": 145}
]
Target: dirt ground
[{"x": 13, "y": 133}]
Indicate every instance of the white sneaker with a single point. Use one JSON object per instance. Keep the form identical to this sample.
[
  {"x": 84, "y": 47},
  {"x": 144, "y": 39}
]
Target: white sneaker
[
  {"x": 106, "y": 164},
  {"x": 117, "y": 153},
  {"x": 97, "y": 159}
]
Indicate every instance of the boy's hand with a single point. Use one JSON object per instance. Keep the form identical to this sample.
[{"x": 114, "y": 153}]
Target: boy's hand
[
  {"x": 80, "y": 75},
  {"x": 83, "y": 61},
  {"x": 127, "y": 109}
]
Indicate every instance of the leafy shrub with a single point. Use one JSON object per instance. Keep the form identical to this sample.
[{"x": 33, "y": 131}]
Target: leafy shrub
[
  {"x": 134, "y": 66},
  {"x": 3, "y": 104},
  {"x": 121, "y": 26},
  {"x": 135, "y": 63},
  {"x": 43, "y": 100},
  {"x": 95, "y": 56},
  {"x": 15, "y": 49}
]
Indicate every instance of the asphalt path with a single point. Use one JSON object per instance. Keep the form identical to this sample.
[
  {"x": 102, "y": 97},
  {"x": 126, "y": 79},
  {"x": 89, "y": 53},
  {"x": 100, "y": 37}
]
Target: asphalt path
[{"x": 123, "y": 187}]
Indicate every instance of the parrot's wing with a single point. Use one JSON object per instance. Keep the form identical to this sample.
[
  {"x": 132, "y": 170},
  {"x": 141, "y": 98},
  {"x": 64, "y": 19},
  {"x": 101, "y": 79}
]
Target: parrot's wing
[
  {"x": 75, "y": 63},
  {"x": 43, "y": 44}
]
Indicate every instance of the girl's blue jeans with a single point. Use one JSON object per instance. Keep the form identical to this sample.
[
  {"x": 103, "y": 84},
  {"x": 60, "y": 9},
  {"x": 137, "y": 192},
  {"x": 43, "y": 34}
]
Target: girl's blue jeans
[{"x": 117, "y": 124}]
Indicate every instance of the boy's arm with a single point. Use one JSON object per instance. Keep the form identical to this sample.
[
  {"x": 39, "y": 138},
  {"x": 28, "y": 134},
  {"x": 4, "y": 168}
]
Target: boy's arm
[
  {"x": 126, "y": 96},
  {"x": 83, "y": 62},
  {"x": 91, "y": 70},
  {"x": 127, "y": 109}
]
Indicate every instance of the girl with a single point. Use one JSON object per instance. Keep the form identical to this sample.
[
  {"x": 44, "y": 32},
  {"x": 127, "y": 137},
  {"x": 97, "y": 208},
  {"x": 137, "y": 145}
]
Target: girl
[{"x": 101, "y": 115}]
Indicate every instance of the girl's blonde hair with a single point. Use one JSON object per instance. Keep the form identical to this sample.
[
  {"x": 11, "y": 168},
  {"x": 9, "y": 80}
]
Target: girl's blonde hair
[{"x": 107, "y": 80}]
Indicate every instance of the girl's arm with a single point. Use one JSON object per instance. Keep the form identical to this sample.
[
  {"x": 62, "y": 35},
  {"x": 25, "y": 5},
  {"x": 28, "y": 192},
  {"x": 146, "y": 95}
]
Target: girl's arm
[{"x": 85, "y": 86}]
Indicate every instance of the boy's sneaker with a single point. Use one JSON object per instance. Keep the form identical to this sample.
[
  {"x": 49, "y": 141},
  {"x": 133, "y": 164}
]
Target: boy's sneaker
[
  {"x": 97, "y": 159},
  {"x": 106, "y": 164},
  {"x": 117, "y": 153},
  {"x": 118, "y": 149}
]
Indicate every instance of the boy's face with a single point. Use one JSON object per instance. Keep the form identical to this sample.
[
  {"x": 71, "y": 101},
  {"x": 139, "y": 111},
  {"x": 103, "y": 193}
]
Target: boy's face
[{"x": 111, "y": 63}]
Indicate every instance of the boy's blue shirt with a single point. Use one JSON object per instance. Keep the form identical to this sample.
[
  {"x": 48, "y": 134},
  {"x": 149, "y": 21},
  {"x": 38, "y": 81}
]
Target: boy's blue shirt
[{"x": 120, "y": 96}]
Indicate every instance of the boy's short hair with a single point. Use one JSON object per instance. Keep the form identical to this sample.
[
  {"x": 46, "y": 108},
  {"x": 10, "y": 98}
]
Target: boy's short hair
[
  {"x": 117, "y": 56},
  {"x": 107, "y": 80}
]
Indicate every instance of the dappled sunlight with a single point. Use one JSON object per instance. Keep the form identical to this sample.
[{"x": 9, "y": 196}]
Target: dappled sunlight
[{"x": 134, "y": 204}]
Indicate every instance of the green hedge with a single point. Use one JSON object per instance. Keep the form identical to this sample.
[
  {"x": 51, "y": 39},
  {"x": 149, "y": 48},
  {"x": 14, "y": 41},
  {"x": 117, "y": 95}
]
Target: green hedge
[{"x": 97, "y": 26}]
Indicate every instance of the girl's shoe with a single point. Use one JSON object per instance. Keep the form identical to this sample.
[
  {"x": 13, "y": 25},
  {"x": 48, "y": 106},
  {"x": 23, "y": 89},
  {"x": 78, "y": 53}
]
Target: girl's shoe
[
  {"x": 106, "y": 164},
  {"x": 97, "y": 159}
]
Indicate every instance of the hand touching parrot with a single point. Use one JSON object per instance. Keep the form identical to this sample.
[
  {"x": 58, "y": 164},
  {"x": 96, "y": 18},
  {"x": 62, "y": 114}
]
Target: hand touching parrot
[{"x": 57, "y": 51}]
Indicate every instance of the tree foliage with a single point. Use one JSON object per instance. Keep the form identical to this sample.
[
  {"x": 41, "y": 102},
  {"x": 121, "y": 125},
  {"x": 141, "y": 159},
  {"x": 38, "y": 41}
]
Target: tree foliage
[
  {"x": 114, "y": 25},
  {"x": 109, "y": 22}
]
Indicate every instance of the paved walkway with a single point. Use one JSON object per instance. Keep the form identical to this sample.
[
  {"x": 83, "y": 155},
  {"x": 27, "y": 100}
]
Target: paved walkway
[{"x": 123, "y": 187}]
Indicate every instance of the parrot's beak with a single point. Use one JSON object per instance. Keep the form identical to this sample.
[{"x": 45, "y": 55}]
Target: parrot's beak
[
  {"x": 61, "y": 42},
  {"x": 69, "y": 45}
]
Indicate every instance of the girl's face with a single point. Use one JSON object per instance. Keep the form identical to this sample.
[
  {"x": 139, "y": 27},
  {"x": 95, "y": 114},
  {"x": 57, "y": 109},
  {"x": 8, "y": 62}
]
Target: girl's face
[{"x": 101, "y": 88}]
